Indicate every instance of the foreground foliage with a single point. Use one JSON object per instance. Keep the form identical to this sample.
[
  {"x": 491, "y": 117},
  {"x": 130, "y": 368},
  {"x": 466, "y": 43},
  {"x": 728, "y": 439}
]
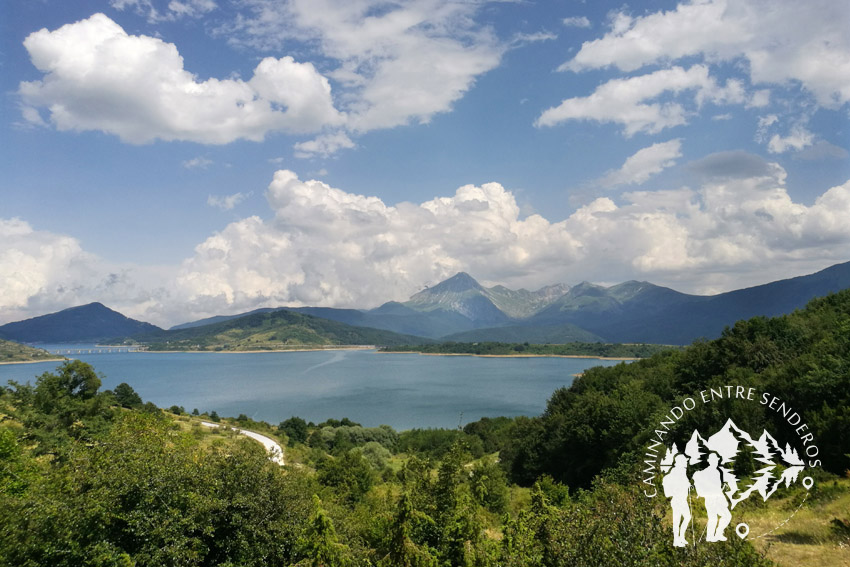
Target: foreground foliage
[
  {"x": 92, "y": 478},
  {"x": 100, "y": 478}
]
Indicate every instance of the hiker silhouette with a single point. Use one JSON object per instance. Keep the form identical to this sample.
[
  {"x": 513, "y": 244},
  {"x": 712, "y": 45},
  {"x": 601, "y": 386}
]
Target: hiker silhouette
[
  {"x": 708, "y": 484},
  {"x": 676, "y": 485}
]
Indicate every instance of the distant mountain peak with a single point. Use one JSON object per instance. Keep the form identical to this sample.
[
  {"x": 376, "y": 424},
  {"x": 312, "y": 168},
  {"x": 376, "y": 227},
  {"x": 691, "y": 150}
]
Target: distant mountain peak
[
  {"x": 83, "y": 323},
  {"x": 587, "y": 288},
  {"x": 459, "y": 282},
  {"x": 561, "y": 288}
]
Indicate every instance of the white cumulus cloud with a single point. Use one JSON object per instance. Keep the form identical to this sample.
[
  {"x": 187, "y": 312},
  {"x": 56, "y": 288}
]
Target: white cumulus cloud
[
  {"x": 42, "y": 272},
  {"x": 797, "y": 139},
  {"x": 782, "y": 41},
  {"x": 633, "y": 103},
  {"x": 644, "y": 163},
  {"x": 399, "y": 63},
  {"x": 97, "y": 77},
  {"x": 325, "y": 246},
  {"x": 328, "y": 247}
]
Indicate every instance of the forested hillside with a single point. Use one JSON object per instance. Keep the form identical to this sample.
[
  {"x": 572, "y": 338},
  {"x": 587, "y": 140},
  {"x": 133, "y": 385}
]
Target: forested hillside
[
  {"x": 91, "y": 477},
  {"x": 608, "y": 414},
  {"x": 271, "y": 330}
]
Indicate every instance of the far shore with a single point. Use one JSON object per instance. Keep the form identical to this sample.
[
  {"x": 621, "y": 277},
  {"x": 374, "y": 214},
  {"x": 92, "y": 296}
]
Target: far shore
[
  {"x": 510, "y": 355},
  {"x": 355, "y": 347},
  {"x": 260, "y": 351}
]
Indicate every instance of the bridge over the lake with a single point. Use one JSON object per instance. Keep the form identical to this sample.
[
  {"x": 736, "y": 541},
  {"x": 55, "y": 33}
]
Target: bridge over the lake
[{"x": 97, "y": 350}]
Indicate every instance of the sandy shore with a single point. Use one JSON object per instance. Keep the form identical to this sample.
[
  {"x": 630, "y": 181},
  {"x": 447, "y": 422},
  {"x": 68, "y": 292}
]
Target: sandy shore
[
  {"x": 63, "y": 359},
  {"x": 510, "y": 355}
]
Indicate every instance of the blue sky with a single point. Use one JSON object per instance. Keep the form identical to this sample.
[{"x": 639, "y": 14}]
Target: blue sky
[{"x": 181, "y": 158}]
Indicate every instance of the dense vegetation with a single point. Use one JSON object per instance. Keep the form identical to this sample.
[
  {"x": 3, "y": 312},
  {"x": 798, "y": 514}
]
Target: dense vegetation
[
  {"x": 271, "y": 330},
  {"x": 608, "y": 414},
  {"x": 15, "y": 352},
  {"x": 526, "y": 349},
  {"x": 91, "y": 477}
]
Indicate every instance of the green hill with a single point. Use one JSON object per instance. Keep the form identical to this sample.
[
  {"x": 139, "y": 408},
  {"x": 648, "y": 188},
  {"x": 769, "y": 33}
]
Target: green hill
[
  {"x": 16, "y": 352},
  {"x": 802, "y": 359},
  {"x": 270, "y": 331}
]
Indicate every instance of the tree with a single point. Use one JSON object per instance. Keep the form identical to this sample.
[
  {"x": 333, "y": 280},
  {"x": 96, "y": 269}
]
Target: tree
[
  {"x": 295, "y": 429},
  {"x": 65, "y": 403},
  {"x": 401, "y": 549},
  {"x": 320, "y": 545},
  {"x": 75, "y": 379},
  {"x": 126, "y": 396},
  {"x": 349, "y": 473},
  {"x": 489, "y": 485}
]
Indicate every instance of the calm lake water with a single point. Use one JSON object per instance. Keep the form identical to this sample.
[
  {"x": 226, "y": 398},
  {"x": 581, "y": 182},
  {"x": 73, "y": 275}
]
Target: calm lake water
[{"x": 401, "y": 390}]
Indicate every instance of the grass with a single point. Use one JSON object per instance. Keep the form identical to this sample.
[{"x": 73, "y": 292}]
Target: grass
[
  {"x": 16, "y": 352},
  {"x": 791, "y": 531},
  {"x": 811, "y": 536},
  {"x": 207, "y": 436}
]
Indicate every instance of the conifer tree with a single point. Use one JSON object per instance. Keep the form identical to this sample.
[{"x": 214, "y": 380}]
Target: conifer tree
[
  {"x": 403, "y": 552},
  {"x": 319, "y": 545}
]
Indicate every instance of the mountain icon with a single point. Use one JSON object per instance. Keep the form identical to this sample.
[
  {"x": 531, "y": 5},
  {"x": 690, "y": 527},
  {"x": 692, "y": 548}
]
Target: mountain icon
[{"x": 729, "y": 443}]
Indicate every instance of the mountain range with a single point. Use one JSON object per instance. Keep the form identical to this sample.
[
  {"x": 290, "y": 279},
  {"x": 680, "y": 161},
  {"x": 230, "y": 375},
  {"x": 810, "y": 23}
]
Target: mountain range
[{"x": 461, "y": 309}]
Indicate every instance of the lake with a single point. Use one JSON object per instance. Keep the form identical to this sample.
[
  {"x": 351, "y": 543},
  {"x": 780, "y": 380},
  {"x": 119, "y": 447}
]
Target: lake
[{"x": 371, "y": 388}]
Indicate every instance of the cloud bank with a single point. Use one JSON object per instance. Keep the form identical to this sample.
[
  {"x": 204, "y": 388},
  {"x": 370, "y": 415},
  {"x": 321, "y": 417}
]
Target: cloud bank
[
  {"x": 324, "y": 246},
  {"x": 42, "y": 272}
]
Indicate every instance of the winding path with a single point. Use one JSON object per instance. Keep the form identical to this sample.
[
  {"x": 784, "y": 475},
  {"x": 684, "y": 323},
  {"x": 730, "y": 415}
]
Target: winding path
[{"x": 273, "y": 448}]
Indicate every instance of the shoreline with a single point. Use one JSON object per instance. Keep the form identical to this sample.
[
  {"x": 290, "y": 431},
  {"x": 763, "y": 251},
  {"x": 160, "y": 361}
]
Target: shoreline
[
  {"x": 590, "y": 356},
  {"x": 34, "y": 361},
  {"x": 260, "y": 351},
  {"x": 357, "y": 348}
]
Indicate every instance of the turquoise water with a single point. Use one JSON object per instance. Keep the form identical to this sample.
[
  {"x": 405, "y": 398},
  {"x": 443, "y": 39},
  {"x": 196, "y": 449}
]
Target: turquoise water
[{"x": 401, "y": 390}]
